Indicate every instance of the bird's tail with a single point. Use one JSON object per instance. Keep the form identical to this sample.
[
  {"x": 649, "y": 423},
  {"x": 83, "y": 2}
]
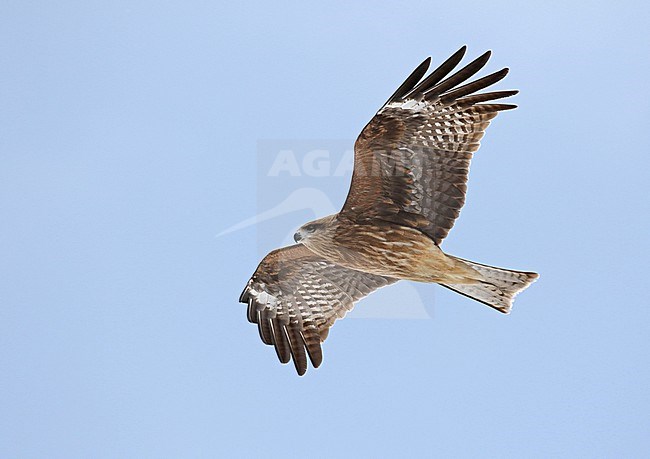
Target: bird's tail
[{"x": 498, "y": 287}]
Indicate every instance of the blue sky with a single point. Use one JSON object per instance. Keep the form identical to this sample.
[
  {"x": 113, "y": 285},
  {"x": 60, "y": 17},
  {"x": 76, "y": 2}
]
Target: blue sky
[{"x": 130, "y": 139}]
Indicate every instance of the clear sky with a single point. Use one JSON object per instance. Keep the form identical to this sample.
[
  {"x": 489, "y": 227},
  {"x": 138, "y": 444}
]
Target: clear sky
[{"x": 133, "y": 133}]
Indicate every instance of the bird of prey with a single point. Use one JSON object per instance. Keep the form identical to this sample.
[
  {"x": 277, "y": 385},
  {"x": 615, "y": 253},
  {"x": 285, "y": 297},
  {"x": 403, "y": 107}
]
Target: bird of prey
[{"x": 411, "y": 163}]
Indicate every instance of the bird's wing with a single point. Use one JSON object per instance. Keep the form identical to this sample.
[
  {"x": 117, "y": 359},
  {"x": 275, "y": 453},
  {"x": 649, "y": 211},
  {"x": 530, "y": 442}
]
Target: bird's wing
[
  {"x": 295, "y": 296},
  {"x": 412, "y": 159}
]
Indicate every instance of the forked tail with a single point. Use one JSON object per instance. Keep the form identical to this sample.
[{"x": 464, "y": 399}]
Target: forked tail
[{"x": 498, "y": 287}]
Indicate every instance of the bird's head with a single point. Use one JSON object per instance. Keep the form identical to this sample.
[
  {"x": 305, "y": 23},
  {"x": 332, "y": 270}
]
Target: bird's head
[{"x": 314, "y": 227}]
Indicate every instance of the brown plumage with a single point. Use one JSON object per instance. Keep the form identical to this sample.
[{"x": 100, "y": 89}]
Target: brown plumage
[{"x": 408, "y": 186}]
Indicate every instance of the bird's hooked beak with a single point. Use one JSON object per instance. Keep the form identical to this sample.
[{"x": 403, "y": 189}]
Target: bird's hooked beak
[{"x": 297, "y": 236}]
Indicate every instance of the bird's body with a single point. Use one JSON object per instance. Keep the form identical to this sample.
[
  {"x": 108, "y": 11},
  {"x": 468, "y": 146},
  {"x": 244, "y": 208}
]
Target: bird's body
[
  {"x": 408, "y": 186},
  {"x": 386, "y": 249}
]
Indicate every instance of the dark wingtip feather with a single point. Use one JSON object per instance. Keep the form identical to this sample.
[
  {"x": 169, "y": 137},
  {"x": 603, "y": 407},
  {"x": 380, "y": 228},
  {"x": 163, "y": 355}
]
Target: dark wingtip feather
[
  {"x": 459, "y": 54},
  {"x": 243, "y": 298},
  {"x": 264, "y": 328},
  {"x": 474, "y": 86},
  {"x": 485, "y": 97},
  {"x": 483, "y": 58},
  {"x": 297, "y": 349},
  {"x": 314, "y": 350},
  {"x": 410, "y": 82},
  {"x": 251, "y": 312},
  {"x": 439, "y": 73},
  {"x": 280, "y": 341},
  {"x": 463, "y": 74},
  {"x": 498, "y": 107}
]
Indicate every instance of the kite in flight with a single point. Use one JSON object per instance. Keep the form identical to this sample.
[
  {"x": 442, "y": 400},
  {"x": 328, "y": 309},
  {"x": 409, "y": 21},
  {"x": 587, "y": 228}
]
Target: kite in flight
[{"x": 411, "y": 163}]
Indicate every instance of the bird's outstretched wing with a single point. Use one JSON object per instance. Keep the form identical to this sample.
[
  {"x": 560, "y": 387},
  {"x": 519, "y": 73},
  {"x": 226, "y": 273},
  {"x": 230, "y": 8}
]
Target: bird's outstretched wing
[
  {"x": 412, "y": 159},
  {"x": 295, "y": 296}
]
